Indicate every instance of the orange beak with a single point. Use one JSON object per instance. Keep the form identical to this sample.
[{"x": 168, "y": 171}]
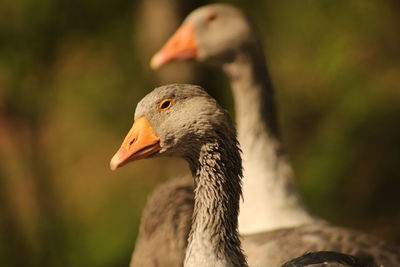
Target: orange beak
[
  {"x": 181, "y": 46},
  {"x": 140, "y": 143}
]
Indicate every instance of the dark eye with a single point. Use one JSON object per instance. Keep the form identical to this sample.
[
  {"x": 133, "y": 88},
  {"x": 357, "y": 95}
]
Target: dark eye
[
  {"x": 165, "y": 104},
  {"x": 211, "y": 17}
]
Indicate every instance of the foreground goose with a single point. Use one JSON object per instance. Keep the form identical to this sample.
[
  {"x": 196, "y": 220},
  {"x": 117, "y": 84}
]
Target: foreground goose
[{"x": 184, "y": 121}]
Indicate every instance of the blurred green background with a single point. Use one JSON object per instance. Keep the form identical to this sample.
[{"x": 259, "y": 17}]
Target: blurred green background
[{"x": 71, "y": 73}]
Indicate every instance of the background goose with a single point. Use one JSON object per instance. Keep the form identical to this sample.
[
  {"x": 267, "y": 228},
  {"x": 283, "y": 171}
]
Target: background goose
[
  {"x": 184, "y": 121},
  {"x": 222, "y": 36}
]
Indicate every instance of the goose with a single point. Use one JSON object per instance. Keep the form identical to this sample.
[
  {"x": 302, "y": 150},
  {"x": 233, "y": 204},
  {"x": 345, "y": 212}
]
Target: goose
[
  {"x": 181, "y": 120},
  {"x": 220, "y": 35},
  {"x": 184, "y": 121}
]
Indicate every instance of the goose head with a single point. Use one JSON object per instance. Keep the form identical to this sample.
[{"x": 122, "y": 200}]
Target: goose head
[
  {"x": 172, "y": 120},
  {"x": 211, "y": 34}
]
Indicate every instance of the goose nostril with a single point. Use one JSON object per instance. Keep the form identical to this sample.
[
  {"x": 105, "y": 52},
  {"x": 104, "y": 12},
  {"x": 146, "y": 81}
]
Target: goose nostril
[{"x": 131, "y": 142}]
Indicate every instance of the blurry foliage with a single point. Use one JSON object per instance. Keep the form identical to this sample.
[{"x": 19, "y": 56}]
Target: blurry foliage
[{"x": 70, "y": 78}]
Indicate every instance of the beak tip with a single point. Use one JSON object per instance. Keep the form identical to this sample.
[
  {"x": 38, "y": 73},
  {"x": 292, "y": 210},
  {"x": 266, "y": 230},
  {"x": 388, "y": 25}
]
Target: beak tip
[
  {"x": 155, "y": 61},
  {"x": 114, "y": 163}
]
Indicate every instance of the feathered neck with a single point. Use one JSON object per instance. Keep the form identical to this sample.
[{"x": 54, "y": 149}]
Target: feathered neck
[
  {"x": 269, "y": 187},
  {"x": 253, "y": 91},
  {"x": 214, "y": 239}
]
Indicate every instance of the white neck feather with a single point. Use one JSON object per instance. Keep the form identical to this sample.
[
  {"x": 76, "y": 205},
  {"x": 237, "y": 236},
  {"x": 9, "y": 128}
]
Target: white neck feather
[
  {"x": 200, "y": 252},
  {"x": 271, "y": 199}
]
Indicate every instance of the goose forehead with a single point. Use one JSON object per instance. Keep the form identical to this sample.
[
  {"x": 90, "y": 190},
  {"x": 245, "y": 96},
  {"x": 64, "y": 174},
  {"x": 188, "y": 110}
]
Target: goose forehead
[
  {"x": 232, "y": 28},
  {"x": 175, "y": 92},
  {"x": 218, "y": 8}
]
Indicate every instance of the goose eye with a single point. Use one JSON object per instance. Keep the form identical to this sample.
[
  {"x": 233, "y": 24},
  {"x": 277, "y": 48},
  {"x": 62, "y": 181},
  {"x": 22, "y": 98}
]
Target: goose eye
[
  {"x": 211, "y": 17},
  {"x": 165, "y": 104}
]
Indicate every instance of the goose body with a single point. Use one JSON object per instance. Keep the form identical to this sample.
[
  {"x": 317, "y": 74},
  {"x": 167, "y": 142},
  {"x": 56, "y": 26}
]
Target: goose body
[{"x": 184, "y": 121}]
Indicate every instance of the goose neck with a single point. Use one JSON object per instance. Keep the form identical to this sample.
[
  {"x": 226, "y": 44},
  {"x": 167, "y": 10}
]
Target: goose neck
[
  {"x": 253, "y": 93},
  {"x": 214, "y": 239},
  {"x": 269, "y": 178}
]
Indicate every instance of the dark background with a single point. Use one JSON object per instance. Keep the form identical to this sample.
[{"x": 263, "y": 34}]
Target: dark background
[{"x": 71, "y": 73}]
